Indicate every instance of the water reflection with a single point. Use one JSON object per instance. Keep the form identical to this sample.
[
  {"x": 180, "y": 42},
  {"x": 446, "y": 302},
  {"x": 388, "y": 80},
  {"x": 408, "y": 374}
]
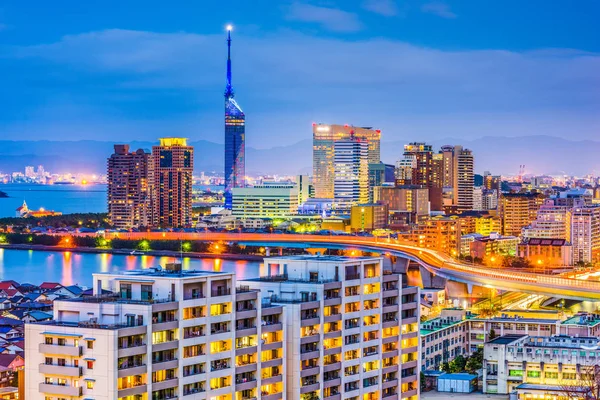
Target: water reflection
[{"x": 76, "y": 268}]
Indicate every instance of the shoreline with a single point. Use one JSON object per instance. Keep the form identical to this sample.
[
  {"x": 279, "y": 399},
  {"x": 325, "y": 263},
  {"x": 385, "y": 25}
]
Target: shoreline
[{"x": 127, "y": 252}]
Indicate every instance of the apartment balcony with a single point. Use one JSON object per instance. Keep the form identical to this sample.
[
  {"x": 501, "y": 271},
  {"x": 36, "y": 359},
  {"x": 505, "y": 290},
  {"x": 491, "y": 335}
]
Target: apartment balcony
[
  {"x": 389, "y": 308},
  {"x": 409, "y": 364},
  {"x": 389, "y": 339},
  {"x": 332, "y": 382},
  {"x": 332, "y": 350},
  {"x": 274, "y": 396},
  {"x": 221, "y": 292},
  {"x": 409, "y": 306},
  {"x": 243, "y": 295},
  {"x": 173, "y": 344},
  {"x": 168, "y": 306},
  {"x": 61, "y": 370},
  {"x": 390, "y": 353},
  {"x": 245, "y": 385},
  {"x": 333, "y": 397},
  {"x": 311, "y": 338},
  {"x": 73, "y": 351},
  {"x": 308, "y": 371},
  {"x": 332, "y": 367},
  {"x": 271, "y": 379},
  {"x": 412, "y": 349},
  {"x": 310, "y": 321},
  {"x": 244, "y": 368},
  {"x": 410, "y": 320},
  {"x": 73, "y": 391},
  {"x": 310, "y": 388},
  {"x": 332, "y": 334},
  {"x": 308, "y": 305},
  {"x": 332, "y": 318},
  {"x": 271, "y": 363},
  {"x": 409, "y": 379},
  {"x": 166, "y": 384},
  {"x": 137, "y": 370},
  {"x": 246, "y": 350},
  {"x": 132, "y": 330},
  {"x": 169, "y": 364},
  {"x": 165, "y": 326},
  {"x": 310, "y": 354},
  {"x": 132, "y": 351},
  {"x": 246, "y": 314},
  {"x": 132, "y": 391},
  {"x": 334, "y": 301},
  {"x": 389, "y": 383},
  {"x": 245, "y": 331},
  {"x": 271, "y": 346},
  {"x": 409, "y": 393},
  {"x": 391, "y": 293},
  {"x": 271, "y": 328}
]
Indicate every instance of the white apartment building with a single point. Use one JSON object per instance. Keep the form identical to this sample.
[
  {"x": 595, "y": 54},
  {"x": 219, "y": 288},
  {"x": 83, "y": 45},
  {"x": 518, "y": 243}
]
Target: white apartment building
[
  {"x": 552, "y": 222},
  {"x": 538, "y": 367},
  {"x": 352, "y": 327},
  {"x": 585, "y": 233},
  {"x": 162, "y": 334}
]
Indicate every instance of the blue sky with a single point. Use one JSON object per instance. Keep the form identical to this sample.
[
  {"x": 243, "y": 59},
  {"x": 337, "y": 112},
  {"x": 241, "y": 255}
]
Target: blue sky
[{"x": 417, "y": 69}]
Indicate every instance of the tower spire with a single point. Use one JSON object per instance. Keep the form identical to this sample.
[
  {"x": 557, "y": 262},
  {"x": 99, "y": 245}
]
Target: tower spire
[{"x": 229, "y": 88}]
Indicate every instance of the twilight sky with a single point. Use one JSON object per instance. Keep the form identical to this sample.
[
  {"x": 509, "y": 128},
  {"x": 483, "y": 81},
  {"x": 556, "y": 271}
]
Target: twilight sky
[{"x": 417, "y": 69}]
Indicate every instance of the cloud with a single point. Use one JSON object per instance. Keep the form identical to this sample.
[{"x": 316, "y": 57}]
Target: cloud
[
  {"x": 329, "y": 18},
  {"x": 286, "y": 80},
  {"x": 386, "y": 8},
  {"x": 438, "y": 8}
]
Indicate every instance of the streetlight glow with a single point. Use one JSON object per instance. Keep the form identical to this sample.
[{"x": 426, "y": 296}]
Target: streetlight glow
[{"x": 229, "y": 27}]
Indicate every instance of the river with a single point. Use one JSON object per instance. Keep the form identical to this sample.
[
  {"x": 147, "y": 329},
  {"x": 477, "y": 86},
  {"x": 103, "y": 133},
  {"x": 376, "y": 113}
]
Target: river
[{"x": 69, "y": 268}]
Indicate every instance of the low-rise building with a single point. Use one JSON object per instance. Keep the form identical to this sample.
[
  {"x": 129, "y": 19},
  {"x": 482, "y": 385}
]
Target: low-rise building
[
  {"x": 368, "y": 217},
  {"x": 444, "y": 338},
  {"x": 539, "y": 367},
  {"x": 549, "y": 252},
  {"x": 268, "y": 201}
]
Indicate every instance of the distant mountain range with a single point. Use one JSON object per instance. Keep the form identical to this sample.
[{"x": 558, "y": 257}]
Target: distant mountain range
[{"x": 499, "y": 155}]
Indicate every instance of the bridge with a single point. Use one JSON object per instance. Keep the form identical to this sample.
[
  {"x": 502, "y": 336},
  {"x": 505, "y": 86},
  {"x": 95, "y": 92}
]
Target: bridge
[{"x": 435, "y": 262}]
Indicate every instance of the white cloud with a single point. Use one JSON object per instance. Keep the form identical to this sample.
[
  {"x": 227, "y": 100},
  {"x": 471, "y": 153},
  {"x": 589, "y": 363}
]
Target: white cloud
[
  {"x": 332, "y": 19},
  {"x": 438, "y": 8},
  {"x": 290, "y": 79},
  {"x": 387, "y": 8}
]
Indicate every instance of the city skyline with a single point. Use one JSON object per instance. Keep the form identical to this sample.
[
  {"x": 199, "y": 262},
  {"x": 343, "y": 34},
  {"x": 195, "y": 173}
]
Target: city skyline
[{"x": 122, "y": 78}]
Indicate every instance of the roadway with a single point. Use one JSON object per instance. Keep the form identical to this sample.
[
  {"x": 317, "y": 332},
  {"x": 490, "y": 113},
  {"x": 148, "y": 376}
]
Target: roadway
[{"x": 436, "y": 262}]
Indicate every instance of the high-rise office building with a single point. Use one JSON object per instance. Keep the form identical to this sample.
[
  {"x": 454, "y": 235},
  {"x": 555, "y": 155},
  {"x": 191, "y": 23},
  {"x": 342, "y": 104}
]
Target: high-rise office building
[
  {"x": 427, "y": 170},
  {"x": 552, "y": 222},
  {"x": 324, "y": 138},
  {"x": 129, "y": 187},
  {"x": 380, "y": 174},
  {"x": 235, "y": 136},
  {"x": 173, "y": 164},
  {"x": 351, "y": 172}
]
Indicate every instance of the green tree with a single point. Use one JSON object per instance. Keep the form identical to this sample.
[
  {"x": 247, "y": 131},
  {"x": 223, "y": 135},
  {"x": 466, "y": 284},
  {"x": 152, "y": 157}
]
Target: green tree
[
  {"x": 445, "y": 367},
  {"x": 492, "y": 334},
  {"x": 422, "y": 381},
  {"x": 458, "y": 364},
  {"x": 475, "y": 361}
]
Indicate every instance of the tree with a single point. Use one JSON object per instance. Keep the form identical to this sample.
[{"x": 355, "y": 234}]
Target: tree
[
  {"x": 475, "y": 361},
  {"x": 458, "y": 364},
  {"x": 587, "y": 387},
  {"x": 492, "y": 334},
  {"x": 445, "y": 367},
  {"x": 422, "y": 381}
]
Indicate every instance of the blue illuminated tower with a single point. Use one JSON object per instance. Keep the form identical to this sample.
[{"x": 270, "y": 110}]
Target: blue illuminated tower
[{"x": 235, "y": 132}]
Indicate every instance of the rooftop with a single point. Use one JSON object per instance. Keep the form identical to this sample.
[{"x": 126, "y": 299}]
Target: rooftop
[
  {"x": 160, "y": 272},
  {"x": 459, "y": 376},
  {"x": 506, "y": 339},
  {"x": 587, "y": 320}
]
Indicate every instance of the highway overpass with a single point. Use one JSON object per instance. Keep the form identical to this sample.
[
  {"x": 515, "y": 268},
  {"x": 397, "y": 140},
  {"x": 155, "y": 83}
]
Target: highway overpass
[{"x": 434, "y": 261}]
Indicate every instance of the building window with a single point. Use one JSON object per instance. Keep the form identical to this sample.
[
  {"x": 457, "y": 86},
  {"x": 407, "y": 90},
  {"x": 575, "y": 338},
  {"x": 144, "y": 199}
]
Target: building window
[
  {"x": 48, "y": 360},
  {"x": 90, "y": 344},
  {"x": 62, "y": 342},
  {"x": 146, "y": 292},
  {"x": 90, "y": 384},
  {"x": 61, "y": 362},
  {"x": 90, "y": 364},
  {"x": 125, "y": 290},
  {"x": 49, "y": 340}
]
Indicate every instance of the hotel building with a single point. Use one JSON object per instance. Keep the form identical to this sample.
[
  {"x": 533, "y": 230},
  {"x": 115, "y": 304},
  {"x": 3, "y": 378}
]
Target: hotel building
[
  {"x": 129, "y": 184},
  {"x": 163, "y": 334},
  {"x": 173, "y": 164},
  {"x": 352, "y": 327}
]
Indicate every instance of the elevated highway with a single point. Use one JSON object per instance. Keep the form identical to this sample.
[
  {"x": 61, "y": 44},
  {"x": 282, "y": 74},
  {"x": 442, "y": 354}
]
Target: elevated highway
[{"x": 434, "y": 261}]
